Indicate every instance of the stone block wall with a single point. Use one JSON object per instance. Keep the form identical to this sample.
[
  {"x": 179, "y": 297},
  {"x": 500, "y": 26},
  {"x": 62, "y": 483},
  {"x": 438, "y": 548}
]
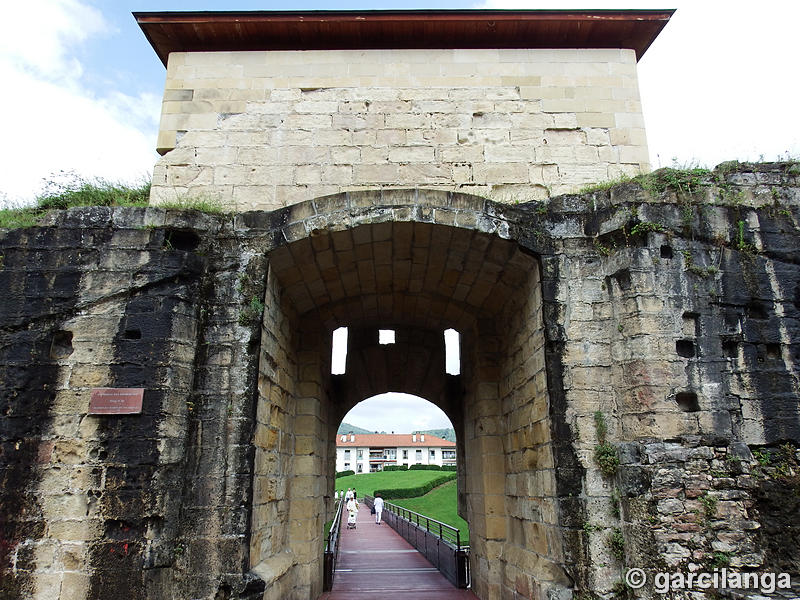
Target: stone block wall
[
  {"x": 274, "y": 442},
  {"x": 262, "y": 130},
  {"x": 656, "y": 334},
  {"x": 674, "y": 315},
  {"x": 532, "y": 549}
]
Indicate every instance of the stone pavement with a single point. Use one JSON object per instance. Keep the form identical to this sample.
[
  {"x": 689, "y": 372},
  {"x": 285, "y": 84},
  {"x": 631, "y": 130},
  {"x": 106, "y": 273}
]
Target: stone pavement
[{"x": 376, "y": 563}]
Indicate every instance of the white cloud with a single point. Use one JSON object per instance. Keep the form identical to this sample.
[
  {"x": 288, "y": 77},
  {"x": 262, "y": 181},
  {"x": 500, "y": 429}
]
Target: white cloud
[
  {"x": 59, "y": 25},
  {"x": 400, "y": 413},
  {"x": 53, "y": 120}
]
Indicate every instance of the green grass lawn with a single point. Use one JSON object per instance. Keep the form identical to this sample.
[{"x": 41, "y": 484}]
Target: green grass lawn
[
  {"x": 367, "y": 483},
  {"x": 440, "y": 503}
]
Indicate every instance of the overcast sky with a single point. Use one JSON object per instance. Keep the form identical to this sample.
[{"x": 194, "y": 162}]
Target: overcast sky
[
  {"x": 82, "y": 88},
  {"x": 398, "y": 413}
]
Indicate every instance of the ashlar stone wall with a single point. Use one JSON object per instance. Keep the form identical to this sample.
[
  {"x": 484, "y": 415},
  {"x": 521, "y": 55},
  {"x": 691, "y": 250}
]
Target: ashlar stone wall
[
  {"x": 674, "y": 315},
  {"x": 263, "y": 130}
]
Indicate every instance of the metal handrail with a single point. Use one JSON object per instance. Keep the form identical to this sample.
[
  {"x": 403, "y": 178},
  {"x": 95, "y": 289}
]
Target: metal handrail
[
  {"x": 332, "y": 546},
  {"x": 446, "y": 532}
]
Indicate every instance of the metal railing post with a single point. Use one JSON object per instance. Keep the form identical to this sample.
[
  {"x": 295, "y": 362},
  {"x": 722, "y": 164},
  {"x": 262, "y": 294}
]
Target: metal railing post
[
  {"x": 331, "y": 552},
  {"x": 455, "y": 563}
]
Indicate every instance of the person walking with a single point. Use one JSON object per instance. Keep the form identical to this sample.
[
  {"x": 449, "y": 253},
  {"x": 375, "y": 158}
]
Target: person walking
[
  {"x": 377, "y": 504},
  {"x": 352, "y": 512}
]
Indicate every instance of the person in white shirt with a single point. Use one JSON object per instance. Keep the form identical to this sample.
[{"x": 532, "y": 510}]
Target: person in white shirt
[
  {"x": 352, "y": 512},
  {"x": 378, "y": 506}
]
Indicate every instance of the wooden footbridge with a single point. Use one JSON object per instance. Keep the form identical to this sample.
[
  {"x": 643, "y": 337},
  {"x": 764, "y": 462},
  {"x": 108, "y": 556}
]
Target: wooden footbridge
[{"x": 375, "y": 562}]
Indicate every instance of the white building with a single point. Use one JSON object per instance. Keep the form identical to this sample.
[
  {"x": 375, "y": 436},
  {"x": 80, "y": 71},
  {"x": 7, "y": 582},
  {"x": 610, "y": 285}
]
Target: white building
[{"x": 370, "y": 452}]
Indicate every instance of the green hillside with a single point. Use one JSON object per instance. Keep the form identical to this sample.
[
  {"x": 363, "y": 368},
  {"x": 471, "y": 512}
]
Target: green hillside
[
  {"x": 440, "y": 503},
  {"x": 347, "y": 428},
  {"x": 447, "y": 434}
]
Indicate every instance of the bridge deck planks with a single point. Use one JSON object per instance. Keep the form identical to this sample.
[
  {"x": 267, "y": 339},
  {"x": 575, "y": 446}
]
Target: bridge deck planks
[{"x": 376, "y": 563}]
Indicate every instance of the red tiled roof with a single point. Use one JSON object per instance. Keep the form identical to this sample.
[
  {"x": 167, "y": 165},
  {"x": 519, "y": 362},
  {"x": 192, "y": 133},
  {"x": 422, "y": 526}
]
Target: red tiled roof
[{"x": 391, "y": 440}]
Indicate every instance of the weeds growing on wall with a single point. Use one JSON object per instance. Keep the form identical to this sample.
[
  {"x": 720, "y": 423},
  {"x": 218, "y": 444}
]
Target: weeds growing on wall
[
  {"x": 741, "y": 245},
  {"x": 605, "y": 454},
  {"x": 252, "y": 313},
  {"x": 68, "y": 190},
  {"x": 686, "y": 181},
  {"x": 779, "y": 463},
  {"x": 605, "y": 185},
  {"x": 202, "y": 204},
  {"x": 616, "y": 542},
  {"x": 15, "y": 218}
]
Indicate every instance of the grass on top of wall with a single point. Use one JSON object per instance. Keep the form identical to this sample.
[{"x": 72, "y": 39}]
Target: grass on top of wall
[{"x": 68, "y": 190}]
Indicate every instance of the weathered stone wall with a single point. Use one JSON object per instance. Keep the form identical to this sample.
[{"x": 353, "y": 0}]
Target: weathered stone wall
[
  {"x": 532, "y": 551},
  {"x": 262, "y": 130},
  {"x": 674, "y": 315},
  {"x": 274, "y": 442},
  {"x": 665, "y": 328}
]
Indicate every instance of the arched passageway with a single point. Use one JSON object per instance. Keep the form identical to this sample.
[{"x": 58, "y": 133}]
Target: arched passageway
[{"x": 419, "y": 277}]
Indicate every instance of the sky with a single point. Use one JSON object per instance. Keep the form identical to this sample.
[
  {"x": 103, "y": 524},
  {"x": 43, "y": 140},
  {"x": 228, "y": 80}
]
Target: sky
[
  {"x": 398, "y": 413},
  {"x": 718, "y": 84},
  {"x": 82, "y": 89}
]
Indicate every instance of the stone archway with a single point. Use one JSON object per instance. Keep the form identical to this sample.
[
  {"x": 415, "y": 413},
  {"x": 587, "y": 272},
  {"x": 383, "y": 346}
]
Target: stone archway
[{"x": 418, "y": 262}]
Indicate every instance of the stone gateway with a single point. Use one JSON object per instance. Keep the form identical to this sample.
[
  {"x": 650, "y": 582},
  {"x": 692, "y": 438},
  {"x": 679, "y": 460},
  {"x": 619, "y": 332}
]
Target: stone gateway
[{"x": 628, "y": 394}]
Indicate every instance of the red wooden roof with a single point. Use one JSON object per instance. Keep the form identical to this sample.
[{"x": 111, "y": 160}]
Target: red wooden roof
[
  {"x": 392, "y": 440},
  {"x": 396, "y": 29}
]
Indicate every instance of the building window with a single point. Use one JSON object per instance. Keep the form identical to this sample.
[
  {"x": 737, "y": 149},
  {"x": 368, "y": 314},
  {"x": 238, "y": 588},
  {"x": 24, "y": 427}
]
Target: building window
[
  {"x": 405, "y": 454},
  {"x": 433, "y": 453},
  {"x": 346, "y": 465},
  {"x": 448, "y": 454},
  {"x": 347, "y": 454},
  {"x": 360, "y": 454},
  {"x": 360, "y": 467},
  {"x": 419, "y": 456}
]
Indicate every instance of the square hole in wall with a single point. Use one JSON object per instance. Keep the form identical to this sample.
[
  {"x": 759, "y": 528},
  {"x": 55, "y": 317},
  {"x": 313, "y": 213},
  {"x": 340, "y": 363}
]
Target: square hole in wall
[
  {"x": 687, "y": 401},
  {"x": 730, "y": 348},
  {"x": 386, "y": 336},
  {"x": 685, "y": 348},
  {"x": 61, "y": 345},
  {"x": 756, "y": 310},
  {"x": 773, "y": 351},
  {"x": 666, "y": 251},
  {"x": 623, "y": 277}
]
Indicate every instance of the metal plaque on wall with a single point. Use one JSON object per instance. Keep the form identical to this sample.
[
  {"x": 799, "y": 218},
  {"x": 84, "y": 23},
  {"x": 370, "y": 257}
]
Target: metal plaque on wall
[{"x": 116, "y": 401}]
